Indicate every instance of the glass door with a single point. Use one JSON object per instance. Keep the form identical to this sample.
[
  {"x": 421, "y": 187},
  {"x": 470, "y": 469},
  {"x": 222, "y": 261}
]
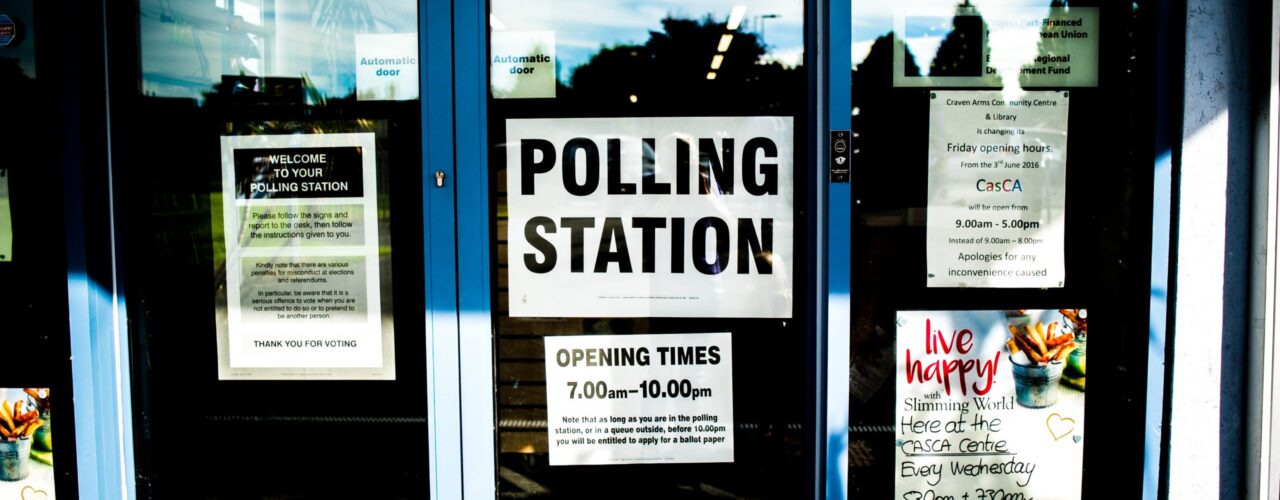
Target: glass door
[
  {"x": 269, "y": 158},
  {"x": 647, "y": 232},
  {"x": 999, "y": 212}
]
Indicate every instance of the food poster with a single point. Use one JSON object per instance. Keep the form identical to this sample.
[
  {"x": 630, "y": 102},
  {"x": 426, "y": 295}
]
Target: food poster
[
  {"x": 26, "y": 444},
  {"x": 990, "y": 404},
  {"x": 306, "y": 277}
]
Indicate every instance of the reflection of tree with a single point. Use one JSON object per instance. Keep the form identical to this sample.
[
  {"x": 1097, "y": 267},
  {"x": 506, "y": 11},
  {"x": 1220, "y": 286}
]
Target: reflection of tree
[
  {"x": 339, "y": 21},
  {"x": 880, "y": 120},
  {"x": 961, "y": 51},
  {"x": 1049, "y": 46},
  {"x": 668, "y": 74}
]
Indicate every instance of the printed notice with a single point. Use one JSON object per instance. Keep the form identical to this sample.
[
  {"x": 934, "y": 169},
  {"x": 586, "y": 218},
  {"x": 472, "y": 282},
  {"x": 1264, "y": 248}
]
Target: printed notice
[
  {"x": 387, "y": 67},
  {"x": 626, "y": 399},
  {"x": 6, "y": 219},
  {"x": 636, "y": 217},
  {"x": 523, "y": 64},
  {"x": 997, "y": 175},
  {"x": 971, "y": 46},
  {"x": 302, "y": 258},
  {"x": 990, "y": 404}
]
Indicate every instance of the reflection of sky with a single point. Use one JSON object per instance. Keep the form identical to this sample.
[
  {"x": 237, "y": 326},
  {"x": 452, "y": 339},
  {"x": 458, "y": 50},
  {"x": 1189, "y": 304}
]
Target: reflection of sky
[
  {"x": 874, "y": 18},
  {"x": 583, "y": 27},
  {"x": 188, "y": 46}
]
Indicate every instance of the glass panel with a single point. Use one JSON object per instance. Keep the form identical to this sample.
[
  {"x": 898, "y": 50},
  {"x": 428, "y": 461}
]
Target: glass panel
[
  {"x": 648, "y": 161},
  {"x": 1000, "y": 181},
  {"x": 277, "y": 173},
  {"x": 35, "y": 383}
]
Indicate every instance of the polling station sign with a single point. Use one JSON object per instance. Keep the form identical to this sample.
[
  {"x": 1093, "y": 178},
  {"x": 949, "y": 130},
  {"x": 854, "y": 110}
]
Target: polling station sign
[{"x": 637, "y": 217}]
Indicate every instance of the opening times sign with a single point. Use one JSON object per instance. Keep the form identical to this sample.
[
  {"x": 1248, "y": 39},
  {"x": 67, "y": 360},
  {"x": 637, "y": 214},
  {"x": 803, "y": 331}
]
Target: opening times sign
[
  {"x": 638, "y": 217},
  {"x": 620, "y": 399},
  {"x": 997, "y": 187}
]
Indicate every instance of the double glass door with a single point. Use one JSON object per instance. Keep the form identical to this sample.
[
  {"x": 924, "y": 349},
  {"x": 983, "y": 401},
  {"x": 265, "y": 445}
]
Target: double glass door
[
  {"x": 577, "y": 249},
  {"x": 319, "y": 311}
]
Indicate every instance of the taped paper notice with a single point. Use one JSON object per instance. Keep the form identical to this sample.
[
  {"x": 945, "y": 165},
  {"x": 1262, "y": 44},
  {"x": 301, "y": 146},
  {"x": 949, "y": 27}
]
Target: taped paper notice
[
  {"x": 971, "y": 46},
  {"x": 997, "y": 186},
  {"x": 976, "y": 418},
  {"x": 523, "y": 64},
  {"x": 635, "y": 217},
  {"x": 626, "y": 399},
  {"x": 302, "y": 257},
  {"x": 6, "y": 219}
]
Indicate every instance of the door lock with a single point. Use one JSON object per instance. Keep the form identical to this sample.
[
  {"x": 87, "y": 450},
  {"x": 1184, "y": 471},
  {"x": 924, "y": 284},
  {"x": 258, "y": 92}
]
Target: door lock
[{"x": 439, "y": 178}]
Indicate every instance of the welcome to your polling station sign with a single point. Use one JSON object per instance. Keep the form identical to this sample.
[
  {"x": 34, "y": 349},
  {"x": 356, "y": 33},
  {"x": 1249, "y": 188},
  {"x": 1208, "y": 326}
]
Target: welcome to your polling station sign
[{"x": 635, "y": 217}]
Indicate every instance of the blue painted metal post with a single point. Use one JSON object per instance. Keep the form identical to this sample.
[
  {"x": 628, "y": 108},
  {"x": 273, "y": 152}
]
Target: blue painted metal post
[
  {"x": 839, "y": 66},
  {"x": 443, "y": 417}
]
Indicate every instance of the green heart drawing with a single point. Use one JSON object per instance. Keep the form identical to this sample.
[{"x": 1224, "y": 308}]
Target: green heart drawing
[
  {"x": 1059, "y": 426},
  {"x": 34, "y": 494}
]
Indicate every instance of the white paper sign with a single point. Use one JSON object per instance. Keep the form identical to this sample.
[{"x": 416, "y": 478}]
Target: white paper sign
[
  {"x": 302, "y": 259},
  {"x": 6, "y": 219},
  {"x": 625, "y": 399},
  {"x": 636, "y": 217},
  {"x": 974, "y": 421},
  {"x": 970, "y": 46},
  {"x": 523, "y": 64},
  {"x": 997, "y": 183},
  {"x": 387, "y": 67}
]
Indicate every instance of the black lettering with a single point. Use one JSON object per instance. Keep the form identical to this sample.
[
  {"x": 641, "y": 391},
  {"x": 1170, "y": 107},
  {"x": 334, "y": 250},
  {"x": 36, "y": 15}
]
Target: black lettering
[
  {"x": 540, "y": 244},
  {"x": 709, "y": 165},
  {"x": 613, "y": 155},
  {"x": 770, "y": 170},
  {"x": 700, "y": 245},
  {"x": 682, "y": 166},
  {"x": 613, "y": 236},
  {"x": 749, "y": 245},
  {"x": 649, "y": 175},
  {"x": 576, "y": 225},
  {"x": 570, "y": 169},
  {"x": 529, "y": 167},
  {"x": 648, "y": 226},
  {"x": 677, "y": 245},
  {"x": 713, "y": 354}
]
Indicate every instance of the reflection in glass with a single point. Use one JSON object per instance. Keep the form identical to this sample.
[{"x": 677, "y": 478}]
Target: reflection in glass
[{"x": 188, "y": 47}]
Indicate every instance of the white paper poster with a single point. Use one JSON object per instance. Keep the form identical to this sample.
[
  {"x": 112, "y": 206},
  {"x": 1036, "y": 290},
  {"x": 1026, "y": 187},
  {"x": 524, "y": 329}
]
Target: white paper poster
[
  {"x": 302, "y": 257},
  {"x": 626, "y": 399},
  {"x": 639, "y": 217},
  {"x": 6, "y": 219},
  {"x": 26, "y": 444},
  {"x": 997, "y": 187},
  {"x": 387, "y": 67},
  {"x": 1009, "y": 47},
  {"x": 523, "y": 64},
  {"x": 975, "y": 420}
]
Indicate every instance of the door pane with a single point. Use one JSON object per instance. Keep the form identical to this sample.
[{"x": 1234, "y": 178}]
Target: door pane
[
  {"x": 1018, "y": 136},
  {"x": 648, "y": 161},
  {"x": 275, "y": 176}
]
